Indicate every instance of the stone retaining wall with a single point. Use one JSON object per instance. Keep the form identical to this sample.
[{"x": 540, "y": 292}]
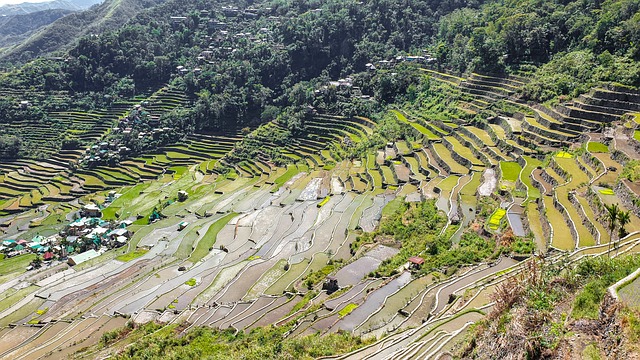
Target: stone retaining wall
[
  {"x": 548, "y": 178},
  {"x": 611, "y": 104},
  {"x": 593, "y": 162},
  {"x": 585, "y": 170},
  {"x": 537, "y": 184},
  {"x": 582, "y": 114},
  {"x": 438, "y": 159},
  {"x": 491, "y": 133},
  {"x": 630, "y": 200},
  {"x": 544, "y": 136},
  {"x": 583, "y": 216},
  {"x": 554, "y": 115},
  {"x": 627, "y": 95},
  {"x": 478, "y": 154},
  {"x": 600, "y": 105},
  {"x": 620, "y": 157},
  {"x": 562, "y": 172},
  {"x": 429, "y": 165},
  {"x": 546, "y": 227},
  {"x": 457, "y": 157},
  {"x": 506, "y": 126},
  {"x": 445, "y": 126},
  {"x": 566, "y": 217}
]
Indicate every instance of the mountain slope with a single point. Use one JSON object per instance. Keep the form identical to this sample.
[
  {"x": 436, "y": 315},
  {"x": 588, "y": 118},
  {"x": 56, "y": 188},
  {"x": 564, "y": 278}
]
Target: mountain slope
[
  {"x": 30, "y": 7},
  {"x": 16, "y": 28},
  {"x": 65, "y": 31}
]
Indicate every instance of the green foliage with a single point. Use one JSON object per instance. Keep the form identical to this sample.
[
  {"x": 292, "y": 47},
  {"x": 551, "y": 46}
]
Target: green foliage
[
  {"x": 486, "y": 206},
  {"x": 190, "y": 282},
  {"x": 597, "y": 147},
  {"x": 261, "y": 343},
  {"x": 598, "y": 275},
  {"x": 591, "y": 352},
  {"x": 523, "y": 246},
  {"x": 417, "y": 226},
  {"x": 510, "y": 170},
  {"x": 347, "y": 309},
  {"x": 303, "y": 302},
  {"x": 132, "y": 255},
  {"x": 631, "y": 170},
  {"x": 576, "y": 72},
  {"x": 515, "y": 34},
  {"x": 10, "y": 146},
  {"x": 316, "y": 277},
  {"x": 631, "y": 318}
]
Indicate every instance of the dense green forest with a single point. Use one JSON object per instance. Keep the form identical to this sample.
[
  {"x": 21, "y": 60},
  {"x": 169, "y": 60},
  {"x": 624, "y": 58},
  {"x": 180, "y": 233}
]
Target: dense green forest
[{"x": 271, "y": 59}]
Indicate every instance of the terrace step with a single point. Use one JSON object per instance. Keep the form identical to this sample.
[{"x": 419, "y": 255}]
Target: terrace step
[
  {"x": 574, "y": 112},
  {"x": 482, "y": 91},
  {"x": 619, "y": 94},
  {"x": 530, "y": 125},
  {"x": 510, "y": 81},
  {"x": 443, "y": 76},
  {"x": 557, "y": 121},
  {"x": 588, "y": 103}
]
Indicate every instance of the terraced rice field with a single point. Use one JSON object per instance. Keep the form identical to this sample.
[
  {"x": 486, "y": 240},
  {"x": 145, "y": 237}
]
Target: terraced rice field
[
  {"x": 561, "y": 238},
  {"x": 578, "y": 178},
  {"x": 258, "y": 233},
  {"x": 630, "y": 294},
  {"x": 443, "y": 153},
  {"x": 525, "y": 176}
]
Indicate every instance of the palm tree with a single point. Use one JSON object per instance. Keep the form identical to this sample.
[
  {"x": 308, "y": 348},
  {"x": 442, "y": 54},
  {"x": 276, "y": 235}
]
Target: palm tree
[
  {"x": 612, "y": 217},
  {"x": 623, "y": 219}
]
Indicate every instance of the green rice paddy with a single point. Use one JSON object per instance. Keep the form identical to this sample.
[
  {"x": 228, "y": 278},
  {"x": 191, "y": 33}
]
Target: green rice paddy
[
  {"x": 347, "y": 309},
  {"x": 132, "y": 255},
  {"x": 510, "y": 170},
  {"x": 597, "y": 147},
  {"x": 496, "y": 218}
]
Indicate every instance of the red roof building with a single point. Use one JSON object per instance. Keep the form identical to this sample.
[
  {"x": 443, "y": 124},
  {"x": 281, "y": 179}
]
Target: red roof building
[{"x": 416, "y": 262}]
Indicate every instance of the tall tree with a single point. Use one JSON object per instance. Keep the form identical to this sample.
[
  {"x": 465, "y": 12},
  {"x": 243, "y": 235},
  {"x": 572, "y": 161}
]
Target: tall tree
[
  {"x": 623, "y": 219},
  {"x": 612, "y": 218}
]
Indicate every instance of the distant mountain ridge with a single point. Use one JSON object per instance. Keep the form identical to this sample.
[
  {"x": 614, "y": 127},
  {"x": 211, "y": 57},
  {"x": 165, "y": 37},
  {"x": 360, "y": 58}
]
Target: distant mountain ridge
[
  {"x": 28, "y": 7},
  {"x": 16, "y": 28},
  {"x": 63, "y": 32}
]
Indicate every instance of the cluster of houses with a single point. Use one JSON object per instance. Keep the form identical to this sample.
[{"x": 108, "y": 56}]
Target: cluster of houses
[
  {"x": 138, "y": 124},
  {"x": 225, "y": 36},
  {"x": 419, "y": 59},
  {"x": 79, "y": 241},
  {"x": 346, "y": 85},
  {"x": 102, "y": 153}
]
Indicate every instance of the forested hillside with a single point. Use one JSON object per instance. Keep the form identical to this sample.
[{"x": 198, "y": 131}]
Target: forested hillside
[
  {"x": 16, "y": 28},
  {"x": 290, "y": 47}
]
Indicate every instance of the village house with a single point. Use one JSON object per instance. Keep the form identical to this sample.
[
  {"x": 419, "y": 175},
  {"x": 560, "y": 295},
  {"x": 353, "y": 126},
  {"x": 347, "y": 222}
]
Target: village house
[
  {"x": 415, "y": 263},
  {"x": 117, "y": 233},
  {"x": 91, "y": 210},
  {"x": 80, "y": 258}
]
